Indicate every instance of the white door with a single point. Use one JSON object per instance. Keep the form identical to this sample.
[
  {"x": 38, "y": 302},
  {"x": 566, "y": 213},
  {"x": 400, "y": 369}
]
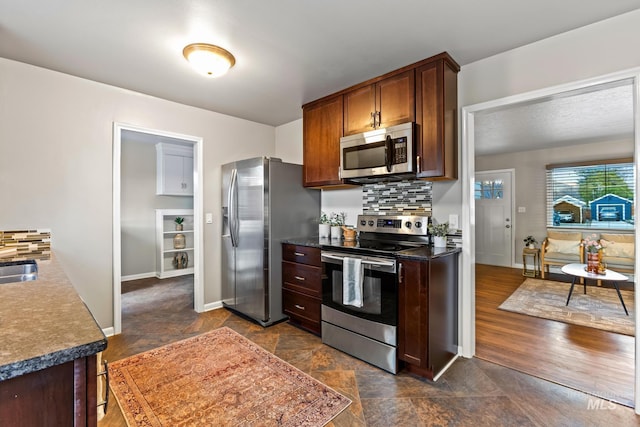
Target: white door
[{"x": 494, "y": 228}]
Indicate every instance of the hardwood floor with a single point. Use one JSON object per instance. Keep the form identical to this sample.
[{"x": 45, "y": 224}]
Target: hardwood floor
[
  {"x": 472, "y": 392},
  {"x": 591, "y": 360}
]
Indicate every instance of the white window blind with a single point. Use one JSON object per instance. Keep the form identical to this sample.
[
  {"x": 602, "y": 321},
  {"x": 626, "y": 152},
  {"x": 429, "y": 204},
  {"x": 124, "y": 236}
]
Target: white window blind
[{"x": 593, "y": 195}]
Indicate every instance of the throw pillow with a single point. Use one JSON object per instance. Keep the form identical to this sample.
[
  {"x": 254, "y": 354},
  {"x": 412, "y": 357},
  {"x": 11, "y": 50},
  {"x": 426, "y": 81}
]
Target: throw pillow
[
  {"x": 570, "y": 247},
  {"x": 618, "y": 249}
]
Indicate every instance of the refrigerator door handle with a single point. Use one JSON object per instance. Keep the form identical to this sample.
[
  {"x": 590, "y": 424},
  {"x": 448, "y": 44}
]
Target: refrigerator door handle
[{"x": 232, "y": 203}]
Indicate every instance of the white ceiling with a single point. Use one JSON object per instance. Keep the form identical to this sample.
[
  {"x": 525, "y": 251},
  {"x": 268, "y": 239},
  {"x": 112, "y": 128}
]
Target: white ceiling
[
  {"x": 599, "y": 113},
  {"x": 288, "y": 52}
]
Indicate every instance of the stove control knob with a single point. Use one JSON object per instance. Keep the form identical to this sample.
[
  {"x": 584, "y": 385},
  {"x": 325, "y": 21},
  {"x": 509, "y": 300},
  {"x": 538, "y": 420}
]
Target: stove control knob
[
  {"x": 407, "y": 224},
  {"x": 370, "y": 223},
  {"x": 363, "y": 222},
  {"x": 418, "y": 224}
]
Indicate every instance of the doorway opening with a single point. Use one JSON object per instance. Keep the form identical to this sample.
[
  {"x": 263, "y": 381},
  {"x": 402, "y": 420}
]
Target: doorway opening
[
  {"x": 138, "y": 145},
  {"x": 470, "y": 117}
]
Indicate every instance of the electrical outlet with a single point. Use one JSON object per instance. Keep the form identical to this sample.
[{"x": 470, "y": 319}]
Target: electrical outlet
[
  {"x": 522, "y": 209},
  {"x": 208, "y": 217}
]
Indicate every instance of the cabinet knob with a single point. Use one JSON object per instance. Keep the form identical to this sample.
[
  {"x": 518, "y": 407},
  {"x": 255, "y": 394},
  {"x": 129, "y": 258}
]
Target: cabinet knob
[
  {"x": 299, "y": 307},
  {"x": 298, "y": 254},
  {"x": 302, "y": 279},
  {"x": 400, "y": 273},
  {"x": 373, "y": 119}
]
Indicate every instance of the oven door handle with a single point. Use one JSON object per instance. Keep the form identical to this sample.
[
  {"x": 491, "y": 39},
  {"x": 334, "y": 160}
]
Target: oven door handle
[{"x": 364, "y": 261}]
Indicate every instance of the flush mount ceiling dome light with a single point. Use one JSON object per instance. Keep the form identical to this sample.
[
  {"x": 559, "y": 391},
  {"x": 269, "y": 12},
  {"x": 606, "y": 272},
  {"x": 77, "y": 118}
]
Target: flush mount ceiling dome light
[{"x": 210, "y": 60}]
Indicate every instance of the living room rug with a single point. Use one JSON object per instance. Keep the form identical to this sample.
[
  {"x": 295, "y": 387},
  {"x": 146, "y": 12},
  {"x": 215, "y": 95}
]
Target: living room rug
[
  {"x": 600, "y": 308},
  {"x": 219, "y": 378}
]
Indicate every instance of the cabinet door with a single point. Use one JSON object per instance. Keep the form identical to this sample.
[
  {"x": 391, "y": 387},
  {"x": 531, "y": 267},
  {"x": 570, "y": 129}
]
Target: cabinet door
[
  {"x": 173, "y": 176},
  {"x": 391, "y": 101},
  {"x": 359, "y": 105},
  {"x": 395, "y": 99},
  {"x": 322, "y": 130},
  {"x": 436, "y": 118},
  {"x": 413, "y": 312},
  {"x": 187, "y": 175}
]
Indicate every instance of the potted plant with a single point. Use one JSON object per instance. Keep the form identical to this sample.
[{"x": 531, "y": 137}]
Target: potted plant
[
  {"x": 324, "y": 226},
  {"x": 439, "y": 232},
  {"x": 337, "y": 221},
  {"x": 179, "y": 220},
  {"x": 530, "y": 242}
]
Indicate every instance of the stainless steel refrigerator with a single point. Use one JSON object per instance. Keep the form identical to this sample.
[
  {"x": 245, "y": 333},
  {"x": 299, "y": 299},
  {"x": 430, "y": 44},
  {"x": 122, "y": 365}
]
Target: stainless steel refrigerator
[{"x": 263, "y": 202}]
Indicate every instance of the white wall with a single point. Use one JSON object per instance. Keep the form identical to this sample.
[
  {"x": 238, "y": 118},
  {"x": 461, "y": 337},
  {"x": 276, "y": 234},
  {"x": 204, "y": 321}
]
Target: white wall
[
  {"x": 289, "y": 142},
  {"x": 56, "y": 167}
]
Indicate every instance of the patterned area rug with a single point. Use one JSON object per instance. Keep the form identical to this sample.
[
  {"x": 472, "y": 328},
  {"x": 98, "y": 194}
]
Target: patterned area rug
[
  {"x": 219, "y": 378},
  {"x": 600, "y": 308}
]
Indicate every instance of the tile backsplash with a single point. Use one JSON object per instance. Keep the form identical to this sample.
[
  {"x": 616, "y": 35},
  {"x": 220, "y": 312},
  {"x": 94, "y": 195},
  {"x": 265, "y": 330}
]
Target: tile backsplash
[
  {"x": 28, "y": 244},
  {"x": 397, "y": 198}
]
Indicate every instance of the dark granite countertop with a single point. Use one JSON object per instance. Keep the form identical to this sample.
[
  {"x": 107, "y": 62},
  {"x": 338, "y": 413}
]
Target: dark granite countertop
[
  {"x": 423, "y": 253},
  {"x": 44, "y": 323}
]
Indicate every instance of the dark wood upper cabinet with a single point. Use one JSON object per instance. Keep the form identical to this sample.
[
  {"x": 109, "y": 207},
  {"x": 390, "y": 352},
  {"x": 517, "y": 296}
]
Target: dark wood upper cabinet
[
  {"x": 436, "y": 119},
  {"x": 322, "y": 130},
  {"x": 387, "y": 102},
  {"x": 425, "y": 93}
]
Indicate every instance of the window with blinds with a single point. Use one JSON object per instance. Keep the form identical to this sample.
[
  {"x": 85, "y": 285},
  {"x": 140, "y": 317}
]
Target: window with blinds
[{"x": 591, "y": 195}]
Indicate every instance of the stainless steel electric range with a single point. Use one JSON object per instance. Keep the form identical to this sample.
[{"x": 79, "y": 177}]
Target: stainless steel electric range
[{"x": 365, "y": 326}]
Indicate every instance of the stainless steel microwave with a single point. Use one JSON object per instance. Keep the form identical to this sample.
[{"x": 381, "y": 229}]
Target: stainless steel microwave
[{"x": 378, "y": 155}]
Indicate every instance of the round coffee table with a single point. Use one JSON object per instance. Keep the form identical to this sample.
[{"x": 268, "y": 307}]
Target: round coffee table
[{"x": 579, "y": 270}]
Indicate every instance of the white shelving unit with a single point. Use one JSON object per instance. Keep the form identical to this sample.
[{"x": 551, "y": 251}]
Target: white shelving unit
[{"x": 165, "y": 232}]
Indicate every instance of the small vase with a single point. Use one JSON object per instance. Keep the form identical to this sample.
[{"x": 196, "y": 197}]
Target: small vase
[
  {"x": 593, "y": 262},
  {"x": 179, "y": 241},
  {"x": 179, "y": 227},
  {"x": 336, "y": 232},
  {"x": 532, "y": 246},
  {"x": 324, "y": 231}
]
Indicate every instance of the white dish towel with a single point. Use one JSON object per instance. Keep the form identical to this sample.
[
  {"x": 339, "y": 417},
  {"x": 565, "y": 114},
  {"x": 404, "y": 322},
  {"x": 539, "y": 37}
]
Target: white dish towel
[{"x": 352, "y": 278}]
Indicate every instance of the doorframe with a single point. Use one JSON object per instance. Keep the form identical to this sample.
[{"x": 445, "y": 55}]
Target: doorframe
[
  {"x": 468, "y": 291},
  {"x": 512, "y": 209},
  {"x": 198, "y": 193}
]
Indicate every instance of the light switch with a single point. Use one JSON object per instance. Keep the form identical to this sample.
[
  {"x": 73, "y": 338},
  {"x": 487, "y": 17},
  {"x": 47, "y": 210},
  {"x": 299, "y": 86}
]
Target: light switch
[
  {"x": 522, "y": 209},
  {"x": 453, "y": 221},
  {"x": 208, "y": 217}
]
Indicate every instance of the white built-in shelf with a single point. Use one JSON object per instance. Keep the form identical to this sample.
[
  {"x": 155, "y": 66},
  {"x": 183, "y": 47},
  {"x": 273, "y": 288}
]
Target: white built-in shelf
[{"x": 165, "y": 252}]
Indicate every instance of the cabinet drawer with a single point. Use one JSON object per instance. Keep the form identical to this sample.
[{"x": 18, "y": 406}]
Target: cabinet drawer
[
  {"x": 301, "y": 254},
  {"x": 306, "y": 279},
  {"x": 300, "y": 306}
]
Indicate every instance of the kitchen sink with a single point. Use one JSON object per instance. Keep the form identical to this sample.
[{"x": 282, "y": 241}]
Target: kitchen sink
[{"x": 18, "y": 271}]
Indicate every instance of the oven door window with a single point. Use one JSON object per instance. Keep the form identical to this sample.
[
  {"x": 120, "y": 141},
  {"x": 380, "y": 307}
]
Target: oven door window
[{"x": 379, "y": 295}]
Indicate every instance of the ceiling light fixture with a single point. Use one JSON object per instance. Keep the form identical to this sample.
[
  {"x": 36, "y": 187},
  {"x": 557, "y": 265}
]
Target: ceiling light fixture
[{"x": 210, "y": 60}]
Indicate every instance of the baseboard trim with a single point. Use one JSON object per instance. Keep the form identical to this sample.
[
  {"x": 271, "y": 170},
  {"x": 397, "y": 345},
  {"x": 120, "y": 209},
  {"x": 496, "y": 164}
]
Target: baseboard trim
[
  {"x": 137, "y": 276},
  {"x": 213, "y": 306}
]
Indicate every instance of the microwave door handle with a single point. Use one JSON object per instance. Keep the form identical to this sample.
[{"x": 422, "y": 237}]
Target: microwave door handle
[
  {"x": 388, "y": 153},
  {"x": 333, "y": 257}
]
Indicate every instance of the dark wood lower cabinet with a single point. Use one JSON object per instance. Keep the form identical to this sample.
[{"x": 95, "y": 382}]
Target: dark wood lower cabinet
[
  {"x": 62, "y": 395},
  {"x": 428, "y": 314},
  {"x": 302, "y": 286}
]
